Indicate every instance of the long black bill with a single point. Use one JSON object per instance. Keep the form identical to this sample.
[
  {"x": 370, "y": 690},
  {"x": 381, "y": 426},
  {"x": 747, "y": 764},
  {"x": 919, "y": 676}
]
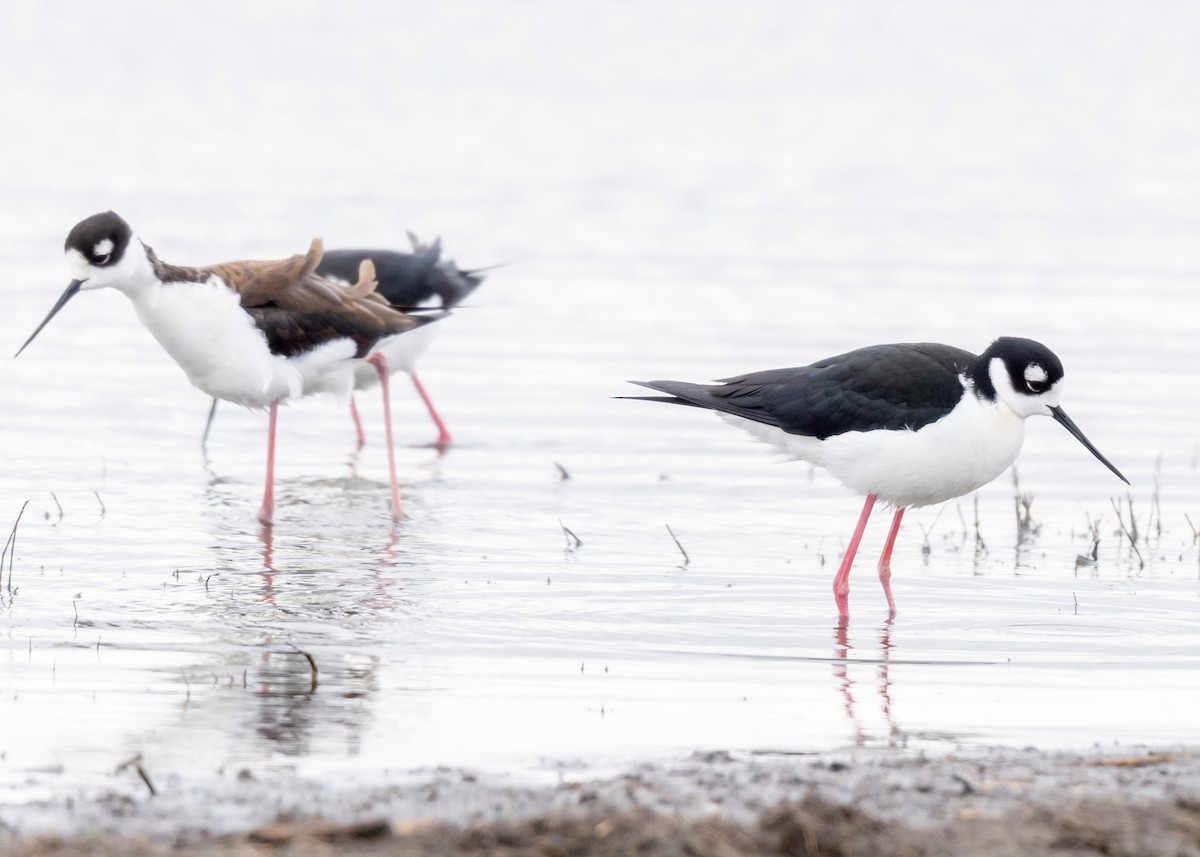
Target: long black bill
[
  {"x": 1066, "y": 422},
  {"x": 71, "y": 291}
]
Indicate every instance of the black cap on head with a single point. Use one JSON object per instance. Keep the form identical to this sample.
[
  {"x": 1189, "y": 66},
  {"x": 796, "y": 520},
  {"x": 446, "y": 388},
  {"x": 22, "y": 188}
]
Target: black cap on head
[
  {"x": 101, "y": 239},
  {"x": 1019, "y": 355}
]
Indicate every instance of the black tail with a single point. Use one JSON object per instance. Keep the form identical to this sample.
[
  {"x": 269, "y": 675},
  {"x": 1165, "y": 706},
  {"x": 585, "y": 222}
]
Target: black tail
[
  {"x": 681, "y": 393},
  {"x": 407, "y": 279}
]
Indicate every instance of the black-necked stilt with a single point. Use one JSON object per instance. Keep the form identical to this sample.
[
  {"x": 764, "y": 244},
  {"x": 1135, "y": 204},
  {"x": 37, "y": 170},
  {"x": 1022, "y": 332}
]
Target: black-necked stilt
[
  {"x": 911, "y": 424},
  {"x": 408, "y": 281},
  {"x": 254, "y": 333}
]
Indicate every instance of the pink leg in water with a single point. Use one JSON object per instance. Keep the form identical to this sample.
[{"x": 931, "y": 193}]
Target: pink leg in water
[
  {"x": 841, "y": 580},
  {"x": 379, "y": 361},
  {"x": 357, "y": 423},
  {"x": 267, "y": 511},
  {"x": 885, "y": 560},
  {"x": 443, "y": 435}
]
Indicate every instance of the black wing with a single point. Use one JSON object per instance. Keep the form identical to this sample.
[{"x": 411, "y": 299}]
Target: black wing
[
  {"x": 291, "y": 334},
  {"x": 405, "y": 279},
  {"x": 878, "y": 387}
]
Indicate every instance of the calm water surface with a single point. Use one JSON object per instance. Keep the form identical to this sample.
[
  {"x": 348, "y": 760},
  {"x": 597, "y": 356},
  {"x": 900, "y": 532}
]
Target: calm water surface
[{"x": 735, "y": 191}]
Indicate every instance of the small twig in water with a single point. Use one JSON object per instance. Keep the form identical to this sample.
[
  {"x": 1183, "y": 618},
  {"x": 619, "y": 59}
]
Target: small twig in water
[
  {"x": 1093, "y": 555},
  {"x": 570, "y": 536},
  {"x": 686, "y": 559},
  {"x": 59, "y": 505},
  {"x": 11, "y": 544},
  {"x": 1131, "y": 531},
  {"x": 1195, "y": 532},
  {"x": 980, "y": 544},
  {"x": 962, "y": 519},
  {"x": 562, "y": 472},
  {"x": 1026, "y": 528},
  {"x": 136, "y": 764},
  {"x": 967, "y": 789},
  {"x": 1155, "y": 508},
  {"x": 312, "y": 664},
  {"x": 925, "y": 548},
  {"x": 187, "y": 685},
  {"x": 103, "y": 511}
]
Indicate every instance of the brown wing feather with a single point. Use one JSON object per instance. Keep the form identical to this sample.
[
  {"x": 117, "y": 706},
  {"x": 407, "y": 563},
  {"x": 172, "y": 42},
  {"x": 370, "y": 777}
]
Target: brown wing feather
[
  {"x": 366, "y": 281},
  {"x": 290, "y": 284},
  {"x": 298, "y": 309}
]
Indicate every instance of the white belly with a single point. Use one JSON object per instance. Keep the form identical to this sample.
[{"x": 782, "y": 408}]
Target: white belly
[
  {"x": 401, "y": 351},
  {"x": 959, "y": 453},
  {"x": 205, "y": 330}
]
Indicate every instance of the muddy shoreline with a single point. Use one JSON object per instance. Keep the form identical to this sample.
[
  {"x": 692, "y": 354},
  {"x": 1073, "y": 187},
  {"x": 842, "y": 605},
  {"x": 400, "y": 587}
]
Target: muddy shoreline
[{"x": 983, "y": 801}]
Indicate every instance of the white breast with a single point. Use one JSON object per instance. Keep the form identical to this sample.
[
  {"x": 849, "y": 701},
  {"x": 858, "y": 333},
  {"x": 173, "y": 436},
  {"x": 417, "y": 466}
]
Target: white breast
[{"x": 204, "y": 328}]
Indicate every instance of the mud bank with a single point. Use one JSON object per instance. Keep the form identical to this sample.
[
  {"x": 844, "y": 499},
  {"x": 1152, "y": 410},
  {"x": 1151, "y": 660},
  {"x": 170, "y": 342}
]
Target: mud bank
[{"x": 984, "y": 802}]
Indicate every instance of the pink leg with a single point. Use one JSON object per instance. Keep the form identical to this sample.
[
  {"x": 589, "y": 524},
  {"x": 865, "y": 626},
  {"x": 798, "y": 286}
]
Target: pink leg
[
  {"x": 443, "y": 435},
  {"x": 357, "y": 423},
  {"x": 841, "y": 580},
  {"x": 885, "y": 560},
  {"x": 267, "y": 510},
  {"x": 379, "y": 361}
]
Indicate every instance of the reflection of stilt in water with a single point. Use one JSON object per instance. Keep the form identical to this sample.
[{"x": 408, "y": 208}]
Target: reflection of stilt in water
[
  {"x": 388, "y": 560},
  {"x": 895, "y": 735},
  {"x": 266, "y": 536},
  {"x": 356, "y": 453},
  {"x": 289, "y": 709},
  {"x": 841, "y": 671},
  {"x": 284, "y": 688},
  {"x": 298, "y": 683}
]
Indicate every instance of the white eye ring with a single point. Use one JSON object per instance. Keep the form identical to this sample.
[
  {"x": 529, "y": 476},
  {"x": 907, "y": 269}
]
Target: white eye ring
[{"x": 103, "y": 251}]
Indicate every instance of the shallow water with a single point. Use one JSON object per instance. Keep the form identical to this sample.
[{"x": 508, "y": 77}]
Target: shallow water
[{"x": 726, "y": 193}]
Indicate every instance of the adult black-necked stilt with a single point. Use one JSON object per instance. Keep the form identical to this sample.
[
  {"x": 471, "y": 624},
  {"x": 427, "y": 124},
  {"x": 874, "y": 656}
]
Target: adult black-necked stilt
[
  {"x": 417, "y": 280},
  {"x": 255, "y": 333},
  {"x": 909, "y": 424}
]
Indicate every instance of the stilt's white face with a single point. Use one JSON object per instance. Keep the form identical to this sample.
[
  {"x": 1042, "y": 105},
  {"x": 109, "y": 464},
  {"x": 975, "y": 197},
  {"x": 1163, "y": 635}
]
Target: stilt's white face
[
  {"x": 103, "y": 253},
  {"x": 1027, "y": 377},
  {"x": 1026, "y": 388},
  {"x": 107, "y": 273}
]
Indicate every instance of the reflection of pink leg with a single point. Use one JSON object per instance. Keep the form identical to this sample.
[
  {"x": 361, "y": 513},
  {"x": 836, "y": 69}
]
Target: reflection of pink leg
[
  {"x": 885, "y": 560},
  {"x": 841, "y": 580},
  {"x": 841, "y": 671},
  {"x": 267, "y": 510},
  {"x": 379, "y": 361},
  {"x": 443, "y": 435},
  {"x": 357, "y": 423}
]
